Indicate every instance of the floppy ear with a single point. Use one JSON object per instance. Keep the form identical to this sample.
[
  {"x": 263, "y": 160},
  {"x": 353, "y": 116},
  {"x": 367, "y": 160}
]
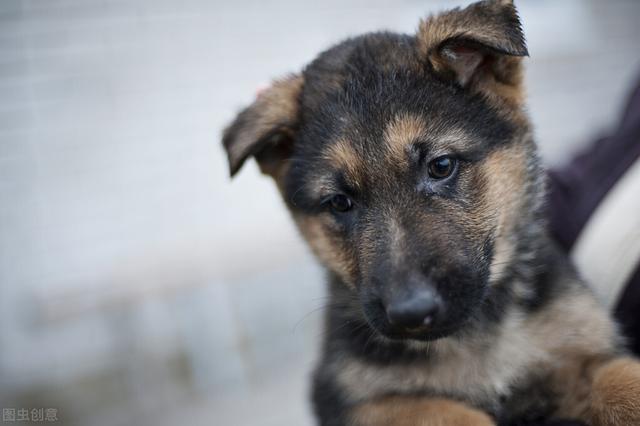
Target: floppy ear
[
  {"x": 266, "y": 128},
  {"x": 479, "y": 47}
]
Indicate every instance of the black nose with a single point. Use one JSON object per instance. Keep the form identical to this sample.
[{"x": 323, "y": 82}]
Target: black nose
[{"x": 417, "y": 310}]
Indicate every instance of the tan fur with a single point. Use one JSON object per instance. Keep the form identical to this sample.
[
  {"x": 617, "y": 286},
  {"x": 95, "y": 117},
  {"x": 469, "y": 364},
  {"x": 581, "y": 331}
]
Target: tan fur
[
  {"x": 572, "y": 380},
  {"x": 574, "y": 326},
  {"x": 503, "y": 174},
  {"x": 479, "y": 368},
  {"x": 599, "y": 390},
  {"x": 342, "y": 154},
  {"x": 510, "y": 88},
  {"x": 395, "y": 411},
  {"x": 457, "y": 23},
  {"x": 615, "y": 394},
  {"x": 501, "y": 79},
  {"x": 330, "y": 249},
  {"x": 407, "y": 129},
  {"x": 274, "y": 111},
  {"x": 472, "y": 368},
  {"x": 578, "y": 334},
  {"x": 401, "y": 131},
  {"x": 451, "y": 140}
]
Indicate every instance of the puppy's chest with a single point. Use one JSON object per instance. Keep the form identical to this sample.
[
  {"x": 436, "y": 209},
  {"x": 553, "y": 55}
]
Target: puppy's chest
[{"x": 484, "y": 376}]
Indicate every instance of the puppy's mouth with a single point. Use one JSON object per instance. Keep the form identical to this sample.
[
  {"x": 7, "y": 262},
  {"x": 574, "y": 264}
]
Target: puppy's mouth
[{"x": 420, "y": 334}]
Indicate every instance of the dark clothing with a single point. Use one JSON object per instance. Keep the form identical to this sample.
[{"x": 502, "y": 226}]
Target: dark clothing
[{"x": 576, "y": 189}]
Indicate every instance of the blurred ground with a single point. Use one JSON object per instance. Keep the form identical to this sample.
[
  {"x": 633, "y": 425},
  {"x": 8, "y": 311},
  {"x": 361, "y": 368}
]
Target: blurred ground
[{"x": 138, "y": 285}]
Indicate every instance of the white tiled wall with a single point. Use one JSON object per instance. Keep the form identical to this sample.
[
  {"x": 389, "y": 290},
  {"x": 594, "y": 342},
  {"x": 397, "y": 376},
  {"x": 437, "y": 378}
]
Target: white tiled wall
[{"x": 137, "y": 281}]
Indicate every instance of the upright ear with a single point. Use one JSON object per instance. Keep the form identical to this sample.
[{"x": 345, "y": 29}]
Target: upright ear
[
  {"x": 480, "y": 47},
  {"x": 266, "y": 128}
]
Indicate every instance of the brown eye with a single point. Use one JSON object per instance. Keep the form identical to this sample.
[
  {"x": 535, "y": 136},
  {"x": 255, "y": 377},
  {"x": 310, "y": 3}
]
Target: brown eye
[
  {"x": 341, "y": 203},
  {"x": 441, "y": 167}
]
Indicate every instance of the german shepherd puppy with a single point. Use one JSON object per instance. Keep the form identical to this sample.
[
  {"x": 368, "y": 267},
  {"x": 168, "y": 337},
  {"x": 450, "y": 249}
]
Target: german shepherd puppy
[{"x": 409, "y": 166}]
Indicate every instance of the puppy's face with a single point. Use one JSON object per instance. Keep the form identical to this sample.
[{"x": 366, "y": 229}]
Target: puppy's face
[{"x": 403, "y": 162}]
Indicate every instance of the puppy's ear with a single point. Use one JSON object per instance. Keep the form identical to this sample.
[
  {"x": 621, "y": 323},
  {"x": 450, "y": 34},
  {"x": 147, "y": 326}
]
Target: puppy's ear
[
  {"x": 480, "y": 47},
  {"x": 266, "y": 128}
]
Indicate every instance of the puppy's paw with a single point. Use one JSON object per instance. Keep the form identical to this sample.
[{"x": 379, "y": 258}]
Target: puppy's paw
[
  {"x": 399, "y": 411},
  {"x": 450, "y": 413},
  {"x": 615, "y": 394}
]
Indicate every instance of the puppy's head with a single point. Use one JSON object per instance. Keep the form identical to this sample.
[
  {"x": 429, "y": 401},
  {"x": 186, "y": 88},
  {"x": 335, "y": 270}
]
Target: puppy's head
[{"x": 404, "y": 161}]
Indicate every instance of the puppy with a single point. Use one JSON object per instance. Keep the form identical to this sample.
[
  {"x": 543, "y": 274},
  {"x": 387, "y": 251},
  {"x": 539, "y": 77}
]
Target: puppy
[{"x": 409, "y": 166}]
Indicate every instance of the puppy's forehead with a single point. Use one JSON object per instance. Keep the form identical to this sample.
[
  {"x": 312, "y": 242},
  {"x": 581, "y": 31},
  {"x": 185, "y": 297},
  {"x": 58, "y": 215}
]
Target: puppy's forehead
[
  {"x": 406, "y": 133},
  {"x": 356, "y": 158},
  {"x": 366, "y": 132}
]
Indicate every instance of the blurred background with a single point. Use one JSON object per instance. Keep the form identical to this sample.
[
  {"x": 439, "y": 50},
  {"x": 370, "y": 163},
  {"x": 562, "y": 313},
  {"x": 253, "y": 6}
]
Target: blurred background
[{"x": 138, "y": 284}]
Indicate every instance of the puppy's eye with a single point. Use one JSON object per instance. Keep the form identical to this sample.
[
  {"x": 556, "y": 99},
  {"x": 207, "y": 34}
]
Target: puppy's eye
[
  {"x": 441, "y": 167},
  {"x": 340, "y": 203}
]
